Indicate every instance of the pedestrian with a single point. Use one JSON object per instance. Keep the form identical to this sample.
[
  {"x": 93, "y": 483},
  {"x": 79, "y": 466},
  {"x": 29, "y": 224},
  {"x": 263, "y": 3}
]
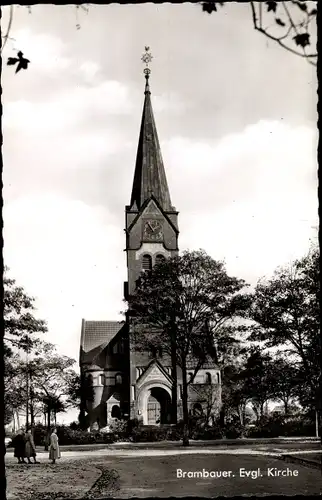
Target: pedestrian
[
  {"x": 30, "y": 449},
  {"x": 18, "y": 443},
  {"x": 54, "y": 451}
]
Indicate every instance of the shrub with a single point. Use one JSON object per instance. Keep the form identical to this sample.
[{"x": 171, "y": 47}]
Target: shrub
[
  {"x": 132, "y": 424},
  {"x": 40, "y": 434},
  {"x": 75, "y": 426},
  {"x": 71, "y": 436},
  {"x": 233, "y": 430},
  {"x": 118, "y": 428},
  {"x": 278, "y": 425},
  {"x": 148, "y": 435},
  {"x": 207, "y": 433}
]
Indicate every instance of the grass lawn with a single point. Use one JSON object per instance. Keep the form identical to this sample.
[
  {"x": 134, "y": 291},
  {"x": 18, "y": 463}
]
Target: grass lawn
[
  {"x": 152, "y": 476},
  {"x": 72, "y": 479}
]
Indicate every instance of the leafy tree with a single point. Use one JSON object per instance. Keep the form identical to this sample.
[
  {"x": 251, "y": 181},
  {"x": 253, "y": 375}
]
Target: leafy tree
[
  {"x": 258, "y": 380},
  {"x": 191, "y": 300},
  {"x": 20, "y": 324},
  {"x": 14, "y": 396},
  {"x": 290, "y": 24},
  {"x": 80, "y": 392},
  {"x": 50, "y": 377},
  {"x": 234, "y": 394},
  {"x": 209, "y": 396},
  {"x": 286, "y": 382},
  {"x": 286, "y": 310},
  {"x": 20, "y": 334}
]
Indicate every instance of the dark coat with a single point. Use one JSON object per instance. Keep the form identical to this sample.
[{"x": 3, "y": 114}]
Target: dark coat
[{"x": 18, "y": 443}]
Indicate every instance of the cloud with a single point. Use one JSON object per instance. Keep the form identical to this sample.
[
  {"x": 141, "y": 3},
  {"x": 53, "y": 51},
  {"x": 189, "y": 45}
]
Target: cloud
[
  {"x": 249, "y": 198},
  {"x": 265, "y": 161},
  {"x": 89, "y": 70},
  {"x": 68, "y": 109},
  {"x": 70, "y": 257},
  {"x": 45, "y": 51}
]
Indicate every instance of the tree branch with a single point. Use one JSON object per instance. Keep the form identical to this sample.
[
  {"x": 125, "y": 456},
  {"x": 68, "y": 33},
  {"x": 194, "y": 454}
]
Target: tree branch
[{"x": 6, "y": 36}]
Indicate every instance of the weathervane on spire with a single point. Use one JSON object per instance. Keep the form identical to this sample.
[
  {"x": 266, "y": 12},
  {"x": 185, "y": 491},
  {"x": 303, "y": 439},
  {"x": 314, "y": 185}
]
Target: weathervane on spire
[{"x": 147, "y": 58}]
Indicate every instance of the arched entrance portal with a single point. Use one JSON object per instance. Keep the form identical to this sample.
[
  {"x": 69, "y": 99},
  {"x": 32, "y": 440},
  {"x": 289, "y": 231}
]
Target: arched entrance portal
[{"x": 159, "y": 406}]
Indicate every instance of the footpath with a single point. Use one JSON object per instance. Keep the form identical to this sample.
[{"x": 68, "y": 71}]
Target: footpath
[
  {"x": 248, "y": 442},
  {"x": 304, "y": 450}
]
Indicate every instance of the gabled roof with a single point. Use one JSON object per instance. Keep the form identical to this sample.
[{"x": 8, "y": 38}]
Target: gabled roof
[
  {"x": 95, "y": 336},
  {"x": 144, "y": 205},
  {"x": 149, "y": 176},
  {"x": 154, "y": 366}
]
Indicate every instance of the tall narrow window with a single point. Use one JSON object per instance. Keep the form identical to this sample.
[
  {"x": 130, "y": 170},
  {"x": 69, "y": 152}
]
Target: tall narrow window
[
  {"x": 121, "y": 346},
  {"x": 146, "y": 262},
  {"x": 208, "y": 378},
  {"x": 218, "y": 378},
  {"x": 159, "y": 259},
  {"x": 118, "y": 379},
  {"x": 190, "y": 376},
  {"x": 102, "y": 379},
  {"x": 153, "y": 352}
]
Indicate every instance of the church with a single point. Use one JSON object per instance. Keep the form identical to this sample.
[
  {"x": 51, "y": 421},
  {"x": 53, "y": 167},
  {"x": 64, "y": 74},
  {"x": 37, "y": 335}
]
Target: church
[{"x": 128, "y": 384}]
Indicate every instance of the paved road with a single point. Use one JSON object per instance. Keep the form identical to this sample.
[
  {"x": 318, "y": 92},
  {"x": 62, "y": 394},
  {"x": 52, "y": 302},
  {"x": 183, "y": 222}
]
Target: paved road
[
  {"x": 160, "y": 473},
  {"x": 163, "y": 477}
]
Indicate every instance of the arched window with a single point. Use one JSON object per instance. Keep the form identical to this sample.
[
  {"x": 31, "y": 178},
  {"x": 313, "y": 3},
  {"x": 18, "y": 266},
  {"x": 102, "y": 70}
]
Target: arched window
[
  {"x": 146, "y": 262},
  {"x": 102, "y": 379},
  {"x": 208, "y": 378},
  {"x": 159, "y": 259},
  {"x": 118, "y": 379},
  {"x": 190, "y": 376},
  {"x": 197, "y": 409},
  {"x": 90, "y": 379},
  {"x": 218, "y": 378},
  {"x": 116, "y": 412}
]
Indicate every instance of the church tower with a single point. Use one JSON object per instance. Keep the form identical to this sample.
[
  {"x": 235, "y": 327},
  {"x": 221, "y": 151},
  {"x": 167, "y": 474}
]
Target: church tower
[{"x": 151, "y": 234}]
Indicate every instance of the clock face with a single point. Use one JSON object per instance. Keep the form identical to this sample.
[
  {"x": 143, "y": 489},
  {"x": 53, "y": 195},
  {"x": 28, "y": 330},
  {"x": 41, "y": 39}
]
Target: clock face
[{"x": 153, "y": 230}]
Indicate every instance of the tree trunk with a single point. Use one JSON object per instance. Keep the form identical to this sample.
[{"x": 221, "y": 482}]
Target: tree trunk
[
  {"x": 185, "y": 439},
  {"x": 48, "y": 429},
  {"x": 240, "y": 411},
  {"x": 285, "y": 407},
  {"x": 27, "y": 400},
  {"x": 174, "y": 416},
  {"x": 32, "y": 411},
  {"x": 222, "y": 416}
]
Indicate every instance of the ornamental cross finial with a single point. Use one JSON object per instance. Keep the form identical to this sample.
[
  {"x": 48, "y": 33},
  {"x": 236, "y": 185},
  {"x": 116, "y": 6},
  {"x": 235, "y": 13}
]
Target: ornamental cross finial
[{"x": 147, "y": 58}]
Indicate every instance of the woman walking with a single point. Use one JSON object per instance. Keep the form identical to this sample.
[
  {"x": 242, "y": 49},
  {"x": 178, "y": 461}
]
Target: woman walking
[
  {"x": 30, "y": 449},
  {"x": 54, "y": 451},
  {"x": 18, "y": 443}
]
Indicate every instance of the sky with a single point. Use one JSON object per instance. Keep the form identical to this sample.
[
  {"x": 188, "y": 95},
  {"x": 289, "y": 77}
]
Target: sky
[{"x": 236, "y": 117}]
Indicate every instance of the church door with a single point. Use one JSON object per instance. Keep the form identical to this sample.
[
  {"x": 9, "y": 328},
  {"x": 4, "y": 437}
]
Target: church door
[{"x": 154, "y": 411}]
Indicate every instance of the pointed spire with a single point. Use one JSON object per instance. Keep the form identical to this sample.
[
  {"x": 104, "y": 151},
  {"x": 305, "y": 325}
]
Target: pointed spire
[{"x": 149, "y": 175}]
